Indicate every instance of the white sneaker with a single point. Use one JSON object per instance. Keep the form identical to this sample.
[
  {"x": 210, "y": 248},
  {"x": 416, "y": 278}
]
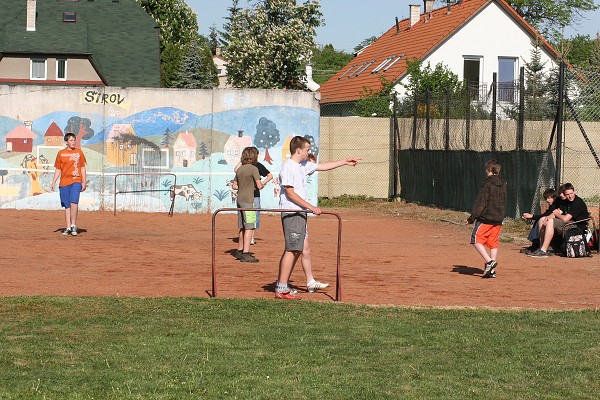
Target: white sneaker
[
  {"x": 74, "y": 230},
  {"x": 316, "y": 285}
]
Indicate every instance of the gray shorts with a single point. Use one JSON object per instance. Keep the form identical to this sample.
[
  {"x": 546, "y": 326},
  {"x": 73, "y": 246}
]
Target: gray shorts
[
  {"x": 294, "y": 230},
  {"x": 246, "y": 219}
]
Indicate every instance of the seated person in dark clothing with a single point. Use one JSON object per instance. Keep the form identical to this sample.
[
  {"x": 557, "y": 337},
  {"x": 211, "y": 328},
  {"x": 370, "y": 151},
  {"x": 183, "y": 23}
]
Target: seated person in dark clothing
[
  {"x": 574, "y": 209},
  {"x": 554, "y": 201}
]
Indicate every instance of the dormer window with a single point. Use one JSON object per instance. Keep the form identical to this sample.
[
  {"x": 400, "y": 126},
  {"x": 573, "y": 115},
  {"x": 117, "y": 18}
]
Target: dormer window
[{"x": 69, "y": 16}]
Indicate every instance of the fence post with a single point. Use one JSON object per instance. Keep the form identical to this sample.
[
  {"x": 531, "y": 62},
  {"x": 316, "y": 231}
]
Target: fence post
[
  {"x": 494, "y": 110},
  {"x": 415, "y": 116},
  {"x": 427, "y": 118},
  {"x": 559, "y": 119},
  {"x": 521, "y": 125},
  {"x": 396, "y": 144},
  {"x": 447, "y": 127},
  {"x": 468, "y": 117}
]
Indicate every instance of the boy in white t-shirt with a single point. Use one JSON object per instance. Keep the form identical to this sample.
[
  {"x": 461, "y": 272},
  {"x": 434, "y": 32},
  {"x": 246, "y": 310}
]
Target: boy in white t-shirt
[{"x": 293, "y": 197}]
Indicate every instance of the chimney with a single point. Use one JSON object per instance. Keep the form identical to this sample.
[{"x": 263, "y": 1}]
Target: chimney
[
  {"x": 309, "y": 82},
  {"x": 415, "y": 14},
  {"x": 397, "y": 26},
  {"x": 428, "y": 6},
  {"x": 31, "y": 14}
]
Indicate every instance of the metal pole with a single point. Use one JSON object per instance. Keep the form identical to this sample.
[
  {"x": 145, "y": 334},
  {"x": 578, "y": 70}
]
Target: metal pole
[
  {"x": 559, "y": 130},
  {"x": 447, "y": 127},
  {"x": 494, "y": 109},
  {"x": 468, "y": 117},
  {"x": 521, "y": 125}
]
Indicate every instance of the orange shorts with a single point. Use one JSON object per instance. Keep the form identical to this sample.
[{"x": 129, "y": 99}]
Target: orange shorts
[{"x": 486, "y": 234}]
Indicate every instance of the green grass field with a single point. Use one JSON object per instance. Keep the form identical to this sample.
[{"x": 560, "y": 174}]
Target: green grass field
[{"x": 128, "y": 348}]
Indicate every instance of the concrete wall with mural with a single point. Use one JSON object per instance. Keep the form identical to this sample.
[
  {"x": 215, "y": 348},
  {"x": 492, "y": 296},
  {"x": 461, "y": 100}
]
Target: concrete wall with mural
[{"x": 147, "y": 145}]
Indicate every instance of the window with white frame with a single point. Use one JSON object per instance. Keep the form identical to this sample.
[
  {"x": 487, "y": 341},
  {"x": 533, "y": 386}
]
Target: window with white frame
[
  {"x": 38, "y": 69},
  {"x": 507, "y": 73},
  {"x": 61, "y": 69}
]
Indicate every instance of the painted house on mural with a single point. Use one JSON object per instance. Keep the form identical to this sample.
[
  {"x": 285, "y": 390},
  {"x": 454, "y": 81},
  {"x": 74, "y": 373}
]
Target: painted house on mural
[
  {"x": 120, "y": 151},
  {"x": 54, "y": 136},
  {"x": 71, "y": 42},
  {"x": 20, "y": 140},
  {"x": 473, "y": 38},
  {"x": 234, "y": 146},
  {"x": 184, "y": 150}
]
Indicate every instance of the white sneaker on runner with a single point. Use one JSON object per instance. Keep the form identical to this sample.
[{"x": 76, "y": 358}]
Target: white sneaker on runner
[{"x": 316, "y": 285}]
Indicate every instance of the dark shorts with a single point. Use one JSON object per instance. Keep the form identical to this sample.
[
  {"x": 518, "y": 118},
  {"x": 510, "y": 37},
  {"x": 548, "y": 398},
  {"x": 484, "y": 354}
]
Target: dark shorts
[
  {"x": 294, "y": 230},
  {"x": 69, "y": 194},
  {"x": 246, "y": 219}
]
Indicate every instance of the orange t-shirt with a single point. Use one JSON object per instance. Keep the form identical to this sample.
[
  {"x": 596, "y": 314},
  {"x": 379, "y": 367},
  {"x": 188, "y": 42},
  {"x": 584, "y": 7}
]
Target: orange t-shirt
[{"x": 70, "y": 162}]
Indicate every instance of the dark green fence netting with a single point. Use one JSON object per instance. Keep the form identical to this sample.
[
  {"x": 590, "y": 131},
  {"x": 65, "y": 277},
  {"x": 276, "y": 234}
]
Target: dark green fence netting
[{"x": 451, "y": 179}]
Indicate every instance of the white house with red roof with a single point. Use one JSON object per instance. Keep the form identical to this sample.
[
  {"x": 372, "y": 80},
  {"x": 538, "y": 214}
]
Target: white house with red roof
[
  {"x": 221, "y": 65},
  {"x": 184, "y": 150},
  {"x": 473, "y": 38},
  {"x": 20, "y": 140}
]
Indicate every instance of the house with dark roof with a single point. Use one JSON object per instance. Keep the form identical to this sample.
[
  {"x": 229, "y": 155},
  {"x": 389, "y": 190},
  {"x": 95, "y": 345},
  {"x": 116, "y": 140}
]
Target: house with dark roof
[
  {"x": 78, "y": 42},
  {"x": 473, "y": 38}
]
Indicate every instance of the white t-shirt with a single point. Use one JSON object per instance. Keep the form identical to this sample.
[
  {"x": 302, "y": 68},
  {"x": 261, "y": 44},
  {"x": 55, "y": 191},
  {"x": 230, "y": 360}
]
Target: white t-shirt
[{"x": 294, "y": 174}]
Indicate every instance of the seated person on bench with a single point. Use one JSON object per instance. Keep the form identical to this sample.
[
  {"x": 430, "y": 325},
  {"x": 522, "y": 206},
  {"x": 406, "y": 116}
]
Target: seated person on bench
[
  {"x": 574, "y": 209},
  {"x": 553, "y": 202}
]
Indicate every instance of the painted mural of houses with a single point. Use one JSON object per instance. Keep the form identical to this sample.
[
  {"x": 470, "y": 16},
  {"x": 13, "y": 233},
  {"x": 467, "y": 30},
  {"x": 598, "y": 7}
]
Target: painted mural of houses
[
  {"x": 184, "y": 150},
  {"x": 234, "y": 147},
  {"x": 20, "y": 140},
  {"x": 119, "y": 150},
  {"x": 54, "y": 136}
]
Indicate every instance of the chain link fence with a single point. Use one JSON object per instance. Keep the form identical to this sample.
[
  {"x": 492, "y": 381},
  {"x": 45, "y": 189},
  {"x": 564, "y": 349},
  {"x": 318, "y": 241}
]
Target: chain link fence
[{"x": 433, "y": 148}]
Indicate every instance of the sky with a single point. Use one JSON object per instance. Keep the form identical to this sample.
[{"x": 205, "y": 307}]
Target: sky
[{"x": 349, "y": 22}]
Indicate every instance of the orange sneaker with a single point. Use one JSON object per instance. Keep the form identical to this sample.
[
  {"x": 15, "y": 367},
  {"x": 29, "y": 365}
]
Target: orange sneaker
[{"x": 291, "y": 295}]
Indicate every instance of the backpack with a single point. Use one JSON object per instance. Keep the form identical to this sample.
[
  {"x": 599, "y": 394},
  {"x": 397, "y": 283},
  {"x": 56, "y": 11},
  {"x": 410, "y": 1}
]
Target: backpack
[{"x": 575, "y": 244}]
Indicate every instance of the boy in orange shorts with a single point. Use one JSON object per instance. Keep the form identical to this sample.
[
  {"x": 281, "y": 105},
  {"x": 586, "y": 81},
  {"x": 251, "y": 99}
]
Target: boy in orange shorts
[{"x": 487, "y": 214}]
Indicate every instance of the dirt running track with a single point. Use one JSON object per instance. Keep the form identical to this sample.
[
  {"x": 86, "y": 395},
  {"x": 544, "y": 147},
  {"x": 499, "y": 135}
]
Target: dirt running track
[{"x": 385, "y": 260}]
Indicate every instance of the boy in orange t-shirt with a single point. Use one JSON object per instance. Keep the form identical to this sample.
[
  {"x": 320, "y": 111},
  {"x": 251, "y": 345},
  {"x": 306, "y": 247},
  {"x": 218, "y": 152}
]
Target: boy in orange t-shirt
[{"x": 70, "y": 166}]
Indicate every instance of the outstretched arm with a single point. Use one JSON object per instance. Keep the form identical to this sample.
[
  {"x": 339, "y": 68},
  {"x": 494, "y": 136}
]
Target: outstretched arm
[{"x": 326, "y": 166}]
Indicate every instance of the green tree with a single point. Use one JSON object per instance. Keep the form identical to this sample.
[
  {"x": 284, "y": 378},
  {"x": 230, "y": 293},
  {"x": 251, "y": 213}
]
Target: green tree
[
  {"x": 228, "y": 26},
  {"x": 549, "y": 17},
  {"x": 197, "y": 70},
  {"x": 579, "y": 51},
  {"x": 213, "y": 39},
  {"x": 269, "y": 44},
  {"x": 365, "y": 43},
  {"x": 375, "y": 103},
  {"x": 327, "y": 61},
  {"x": 424, "y": 79},
  {"x": 178, "y": 28}
]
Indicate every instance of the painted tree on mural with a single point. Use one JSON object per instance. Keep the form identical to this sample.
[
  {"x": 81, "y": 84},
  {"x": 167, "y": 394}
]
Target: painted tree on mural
[
  {"x": 167, "y": 138},
  {"x": 313, "y": 146},
  {"x": 81, "y": 127},
  {"x": 267, "y": 136},
  {"x": 203, "y": 150},
  {"x": 3, "y": 173}
]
